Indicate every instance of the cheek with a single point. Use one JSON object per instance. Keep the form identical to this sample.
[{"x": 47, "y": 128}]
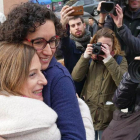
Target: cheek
[
  {"x": 110, "y": 48},
  {"x": 53, "y": 51},
  {"x": 39, "y": 53}
]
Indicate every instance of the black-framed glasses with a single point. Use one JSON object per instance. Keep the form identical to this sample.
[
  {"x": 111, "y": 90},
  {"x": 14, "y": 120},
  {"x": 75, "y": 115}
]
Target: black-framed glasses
[{"x": 40, "y": 43}]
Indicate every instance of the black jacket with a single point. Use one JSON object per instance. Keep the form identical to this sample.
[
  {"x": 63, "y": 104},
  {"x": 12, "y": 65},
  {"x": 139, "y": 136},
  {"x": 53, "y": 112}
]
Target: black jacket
[
  {"x": 126, "y": 94},
  {"x": 128, "y": 34}
]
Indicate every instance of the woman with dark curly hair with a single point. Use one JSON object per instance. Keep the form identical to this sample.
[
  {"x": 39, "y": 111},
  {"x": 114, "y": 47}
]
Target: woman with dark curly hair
[{"x": 37, "y": 26}]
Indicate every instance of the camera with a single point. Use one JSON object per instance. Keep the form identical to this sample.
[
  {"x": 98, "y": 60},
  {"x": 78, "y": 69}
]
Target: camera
[
  {"x": 134, "y": 71},
  {"x": 109, "y": 6},
  {"x": 97, "y": 49}
]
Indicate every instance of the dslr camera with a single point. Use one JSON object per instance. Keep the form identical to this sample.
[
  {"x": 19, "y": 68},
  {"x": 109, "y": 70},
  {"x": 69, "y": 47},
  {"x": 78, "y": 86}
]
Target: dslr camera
[
  {"x": 97, "y": 49},
  {"x": 109, "y": 6}
]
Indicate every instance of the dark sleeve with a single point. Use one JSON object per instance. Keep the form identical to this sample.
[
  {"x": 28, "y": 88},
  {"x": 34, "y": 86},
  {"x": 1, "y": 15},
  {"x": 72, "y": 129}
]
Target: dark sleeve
[
  {"x": 65, "y": 42},
  {"x": 125, "y": 94},
  {"x": 133, "y": 43},
  {"x": 65, "y": 103},
  {"x": 109, "y": 23}
]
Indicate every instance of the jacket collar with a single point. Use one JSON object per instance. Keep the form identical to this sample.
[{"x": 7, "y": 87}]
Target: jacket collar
[{"x": 131, "y": 14}]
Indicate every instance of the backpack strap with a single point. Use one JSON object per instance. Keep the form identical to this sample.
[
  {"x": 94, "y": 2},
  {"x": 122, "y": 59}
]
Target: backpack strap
[{"x": 119, "y": 59}]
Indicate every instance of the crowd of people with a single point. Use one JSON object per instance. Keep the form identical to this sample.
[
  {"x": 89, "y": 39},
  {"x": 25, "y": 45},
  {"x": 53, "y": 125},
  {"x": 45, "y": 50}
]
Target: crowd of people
[{"x": 82, "y": 99}]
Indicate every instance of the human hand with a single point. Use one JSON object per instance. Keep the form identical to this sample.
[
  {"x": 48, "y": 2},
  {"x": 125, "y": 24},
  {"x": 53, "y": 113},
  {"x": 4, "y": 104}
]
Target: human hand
[
  {"x": 118, "y": 20},
  {"x": 137, "y": 58},
  {"x": 65, "y": 12},
  {"x": 102, "y": 15},
  {"x": 106, "y": 50},
  {"x": 88, "y": 51}
]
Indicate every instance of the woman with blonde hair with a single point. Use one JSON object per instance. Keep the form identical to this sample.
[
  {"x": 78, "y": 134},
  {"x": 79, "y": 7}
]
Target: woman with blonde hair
[
  {"x": 22, "y": 81},
  {"x": 103, "y": 64},
  {"x": 23, "y": 114}
]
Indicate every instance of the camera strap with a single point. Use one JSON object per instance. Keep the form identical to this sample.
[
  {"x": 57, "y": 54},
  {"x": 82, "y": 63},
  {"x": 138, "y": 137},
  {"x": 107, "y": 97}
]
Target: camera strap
[{"x": 119, "y": 59}]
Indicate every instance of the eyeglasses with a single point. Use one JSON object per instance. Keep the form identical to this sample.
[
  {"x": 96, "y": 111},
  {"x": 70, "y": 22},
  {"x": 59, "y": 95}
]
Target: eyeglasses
[{"x": 40, "y": 43}]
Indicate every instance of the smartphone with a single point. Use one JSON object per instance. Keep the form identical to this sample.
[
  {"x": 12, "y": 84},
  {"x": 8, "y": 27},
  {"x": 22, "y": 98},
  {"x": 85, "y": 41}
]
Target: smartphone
[{"x": 78, "y": 10}]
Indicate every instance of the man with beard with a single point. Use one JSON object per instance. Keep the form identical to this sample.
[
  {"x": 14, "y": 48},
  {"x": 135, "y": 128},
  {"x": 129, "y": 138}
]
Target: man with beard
[{"x": 75, "y": 42}]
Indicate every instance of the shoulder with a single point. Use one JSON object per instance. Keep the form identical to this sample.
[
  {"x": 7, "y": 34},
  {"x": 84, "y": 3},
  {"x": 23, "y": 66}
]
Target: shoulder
[{"x": 56, "y": 72}]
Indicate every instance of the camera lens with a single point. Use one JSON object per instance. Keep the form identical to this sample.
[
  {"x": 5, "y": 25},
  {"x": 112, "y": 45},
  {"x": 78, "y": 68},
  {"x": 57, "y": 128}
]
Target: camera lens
[
  {"x": 96, "y": 51},
  {"x": 134, "y": 71}
]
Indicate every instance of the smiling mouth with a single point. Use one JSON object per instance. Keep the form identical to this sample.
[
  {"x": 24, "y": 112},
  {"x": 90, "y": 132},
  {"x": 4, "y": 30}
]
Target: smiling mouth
[
  {"x": 38, "y": 92},
  {"x": 44, "y": 59}
]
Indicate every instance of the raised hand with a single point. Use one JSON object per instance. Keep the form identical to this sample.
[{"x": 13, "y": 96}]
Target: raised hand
[
  {"x": 106, "y": 49},
  {"x": 102, "y": 15},
  {"x": 65, "y": 12},
  {"x": 118, "y": 20}
]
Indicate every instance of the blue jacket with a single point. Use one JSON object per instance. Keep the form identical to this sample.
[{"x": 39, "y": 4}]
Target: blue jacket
[
  {"x": 71, "y": 57},
  {"x": 59, "y": 94}
]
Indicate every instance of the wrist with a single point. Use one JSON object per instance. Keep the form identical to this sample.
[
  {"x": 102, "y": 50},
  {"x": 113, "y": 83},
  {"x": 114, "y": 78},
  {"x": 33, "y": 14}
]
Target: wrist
[
  {"x": 101, "y": 22},
  {"x": 86, "y": 55},
  {"x": 105, "y": 60},
  {"x": 120, "y": 27}
]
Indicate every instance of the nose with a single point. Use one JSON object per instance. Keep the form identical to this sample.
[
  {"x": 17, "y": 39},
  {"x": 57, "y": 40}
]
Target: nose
[
  {"x": 42, "y": 80},
  {"x": 47, "y": 50},
  {"x": 76, "y": 26}
]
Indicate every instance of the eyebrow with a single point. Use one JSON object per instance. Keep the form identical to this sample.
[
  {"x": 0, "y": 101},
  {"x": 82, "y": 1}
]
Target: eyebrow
[
  {"x": 42, "y": 38},
  {"x": 76, "y": 23}
]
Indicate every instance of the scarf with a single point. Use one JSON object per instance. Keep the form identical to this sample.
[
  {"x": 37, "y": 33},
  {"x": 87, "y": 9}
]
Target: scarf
[
  {"x": 27, "y": 119},
  {"x": 81, "y": 43}
]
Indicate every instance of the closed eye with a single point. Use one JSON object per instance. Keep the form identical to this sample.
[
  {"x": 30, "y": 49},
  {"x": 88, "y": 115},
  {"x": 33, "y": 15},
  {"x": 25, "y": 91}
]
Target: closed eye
[{"x": 32, "y": 74}]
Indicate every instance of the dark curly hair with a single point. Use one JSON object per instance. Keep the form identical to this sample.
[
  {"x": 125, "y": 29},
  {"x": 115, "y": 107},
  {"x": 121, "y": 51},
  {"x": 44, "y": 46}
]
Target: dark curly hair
[{"x": 25, "y": 18}]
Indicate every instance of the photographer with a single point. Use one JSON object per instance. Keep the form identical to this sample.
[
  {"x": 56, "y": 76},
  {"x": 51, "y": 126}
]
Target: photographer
[
  {"x": 103, "y": 76},
  {"x": 126, "y": 25},
  {"x": 126, "y": 126}
]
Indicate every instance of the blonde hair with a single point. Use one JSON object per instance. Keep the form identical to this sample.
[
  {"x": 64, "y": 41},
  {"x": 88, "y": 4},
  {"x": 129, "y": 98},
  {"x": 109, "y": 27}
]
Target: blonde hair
[
  {"x": 15, "y": 61},
  {"x": 106, "y": 32}
]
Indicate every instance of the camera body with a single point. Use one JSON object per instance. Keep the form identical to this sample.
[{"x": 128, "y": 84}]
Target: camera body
[
  {"x": 109, "y": 6},
  {"x": 97, "y": 49}
]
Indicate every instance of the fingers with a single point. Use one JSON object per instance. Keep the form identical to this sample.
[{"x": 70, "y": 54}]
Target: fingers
[
  {"x": 119, "y": 11},
  {"x": 105, "y": 46},
  {"x": 137, "y": 58},
  {"x": 65, "y": 7},
  {"x": 66, "y": 11},
  {"x": 89, "y": 49},
  {"x": 99, "y": 6}
]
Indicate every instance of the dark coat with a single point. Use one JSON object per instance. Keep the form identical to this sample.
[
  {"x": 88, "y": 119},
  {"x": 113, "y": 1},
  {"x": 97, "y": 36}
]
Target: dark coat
[
  {"x": 71, "y": 57},
  {"x": 128, "y": 34},
  {"x": 125, "y": 126},
  {"x": 126, "y": 94}
]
